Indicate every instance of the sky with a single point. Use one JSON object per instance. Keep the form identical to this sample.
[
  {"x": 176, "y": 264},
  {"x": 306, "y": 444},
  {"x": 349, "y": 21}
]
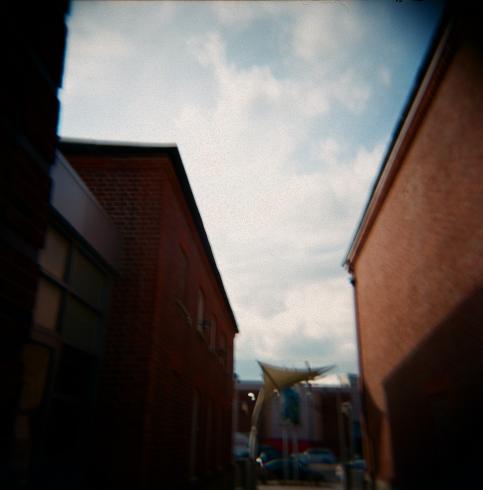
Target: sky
[{"x": 282, "y": 113}]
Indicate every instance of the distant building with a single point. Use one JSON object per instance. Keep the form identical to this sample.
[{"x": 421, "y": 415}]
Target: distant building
[
  {"x": 327, "y": 417},
  {"x": 164, "y": 411},
  {"x": 417, "y": 268}
]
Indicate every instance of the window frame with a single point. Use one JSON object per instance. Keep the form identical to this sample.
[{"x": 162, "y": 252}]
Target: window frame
[{"x": 75, "y": 244}]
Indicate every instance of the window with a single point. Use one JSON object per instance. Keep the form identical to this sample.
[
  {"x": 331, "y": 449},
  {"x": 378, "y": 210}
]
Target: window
[
  {"x": 222, "y": 349},
  {"x": 36, "y": 360},
  {"x": 213, "y": 334},
  {"x": 47, "y": 304},
  {"x": 200, "y": 322},
  {"x": 209, "y": 435},
  {"x": 80, "y": 326},
  {"x": 195, "y": 427},
  {"x": 63, "y": 367},
  {"x": 53, "y": 257},
  {"x": 181, "y": 275},
  {"x": 71, "y": 293}
]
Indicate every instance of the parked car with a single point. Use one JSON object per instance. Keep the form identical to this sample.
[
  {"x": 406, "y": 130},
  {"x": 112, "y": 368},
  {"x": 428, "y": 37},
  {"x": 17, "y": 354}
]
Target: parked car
[
  {"x": 357, "y": 464},
  {"x": 241, "y": 453},
  {"x": 282, "y": 468},
  {"x": 267, "y": 453},
  {"x": 319, "y": 463},
  {"x": 318, "y": 455}
]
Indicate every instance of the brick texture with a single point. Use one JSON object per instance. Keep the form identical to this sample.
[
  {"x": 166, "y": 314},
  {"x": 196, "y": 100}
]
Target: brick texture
[
  {"x": 155, "y": 361},
  {"x": 419, "y": 289}
]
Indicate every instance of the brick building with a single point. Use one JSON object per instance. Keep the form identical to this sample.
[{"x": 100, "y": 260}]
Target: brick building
[
  {"x": 417, "y": 266},
  {"x": 164, "y": 412},
  {"x": 167, "y": 387},
  {"x": 32, "y": 46}
]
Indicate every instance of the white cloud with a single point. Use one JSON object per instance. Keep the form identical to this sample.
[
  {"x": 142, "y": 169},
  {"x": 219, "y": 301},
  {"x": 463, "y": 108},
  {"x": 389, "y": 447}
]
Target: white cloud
[
  {"x": 329, "y": 150},
  {"x": 276, "y": 232},
  {"x": 280, "y": 182},
  {"x": 325, "y": 29},
  {"x": 316, "y": 326},
  {"x": 235, "y": 14},
  {"x": 350, "y": 91}
]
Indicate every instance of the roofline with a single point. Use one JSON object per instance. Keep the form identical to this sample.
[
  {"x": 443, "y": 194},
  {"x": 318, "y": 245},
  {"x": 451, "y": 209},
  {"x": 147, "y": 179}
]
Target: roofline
[
  {"x": 424, "y": 87},
  {"x": 124, "y": 149}
]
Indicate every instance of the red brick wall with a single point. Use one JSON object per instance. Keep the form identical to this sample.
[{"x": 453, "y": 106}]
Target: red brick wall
[
  {"x": 418, "y": 272},
  {"x": 155, "y": 360},
  {"x": 32, "y": 61}
]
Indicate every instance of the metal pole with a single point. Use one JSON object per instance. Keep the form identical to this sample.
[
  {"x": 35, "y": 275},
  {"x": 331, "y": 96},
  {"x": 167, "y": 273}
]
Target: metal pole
[
  {"x": 251, "y": 482},
  {"x": 340, "y": 424},
  {"x": 295, "y": 449},
  {"x": 285, "y": 453}
]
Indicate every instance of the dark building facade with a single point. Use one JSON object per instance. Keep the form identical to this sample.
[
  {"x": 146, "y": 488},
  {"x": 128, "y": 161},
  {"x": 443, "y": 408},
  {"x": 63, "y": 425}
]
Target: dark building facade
[
  {"x": 32, "y": 45},
  {"x": 417, "y": 267},
  {"x": 164, "y": 415},
  {"x": 117, "y": 335}
]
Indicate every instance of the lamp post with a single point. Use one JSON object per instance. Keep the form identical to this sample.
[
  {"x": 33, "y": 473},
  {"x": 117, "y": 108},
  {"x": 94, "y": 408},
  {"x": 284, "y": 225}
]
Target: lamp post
[
  {"x": 345, "y": 409},
  {"x": 274, "y": 379}
]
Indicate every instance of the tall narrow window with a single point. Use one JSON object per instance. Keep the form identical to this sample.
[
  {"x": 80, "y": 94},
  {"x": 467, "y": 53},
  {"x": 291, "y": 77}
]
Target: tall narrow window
[
  {"x": 222, "y": 349},
  {"x": 213, "y": 334},
  {"x": 229, "y": 359},
  {"x": 47, "y": 304},
  {"x": 53, "y": 256},
  {"x": 53, "y": 260},
  {"x": 194, "y": 433},
  {"x": 69, "y": 312},
  {"x": 201, "y": 311},
  {"x": 182, "y": 276},
  {"x": 209, "y": 435}
]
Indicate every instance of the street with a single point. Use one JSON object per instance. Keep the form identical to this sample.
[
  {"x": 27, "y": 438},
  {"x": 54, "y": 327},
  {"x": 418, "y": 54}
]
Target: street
[{"x": 300, "y": 486}]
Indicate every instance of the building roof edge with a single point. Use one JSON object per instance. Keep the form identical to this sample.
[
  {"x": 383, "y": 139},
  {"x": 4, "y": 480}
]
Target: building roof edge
[
  {"x": 123, "y": 149},
  {"x": 425, "y": 84}
]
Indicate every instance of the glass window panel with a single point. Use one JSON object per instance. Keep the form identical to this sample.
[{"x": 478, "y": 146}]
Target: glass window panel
[
  {"x": 183, "y": 275},
  {"x": 35, "y": 360},
  {"x": 213, "y": 334},
  {"x": 201, "y": 310},
  {"x": 223, "y": 349},
  {"x": 54, "y": 254},
  {"x": 87, "y": 280},
  {"x": 47, "y": 304},
  {"x": 80, "y": 326},
  {"x": 76, "y": 373}
]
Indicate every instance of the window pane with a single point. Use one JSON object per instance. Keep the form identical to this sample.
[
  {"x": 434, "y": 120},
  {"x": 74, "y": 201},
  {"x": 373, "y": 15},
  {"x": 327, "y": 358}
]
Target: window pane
[
  {"x": 201, "y": 310},
  {"x": 181, "y": 275},
  {"x": 80, "y": 326},
  {"x": 86, "y": 279},
  {"x": 213, "y": 334},
  {"x": 223, "y": 349},
  {"x": 54, "y": 254},
  {"x": 76, "y": 374},
  {"x": 35, "y": 360},
  {"x": 47, "y": 304}
]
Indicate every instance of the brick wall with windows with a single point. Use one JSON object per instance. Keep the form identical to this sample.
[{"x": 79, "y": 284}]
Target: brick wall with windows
[{"x": 166, "y": 390}]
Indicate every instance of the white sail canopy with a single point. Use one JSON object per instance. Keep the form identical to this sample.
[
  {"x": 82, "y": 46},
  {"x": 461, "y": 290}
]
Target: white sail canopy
[{"x": 278, "y": 378}]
